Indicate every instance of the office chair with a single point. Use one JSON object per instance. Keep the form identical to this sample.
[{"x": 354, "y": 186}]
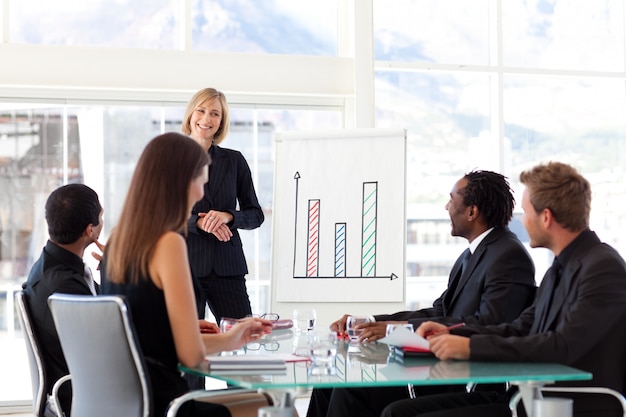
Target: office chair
[
  {"x": 42, "y": 405},
  {"x": 107, "y": 367}
]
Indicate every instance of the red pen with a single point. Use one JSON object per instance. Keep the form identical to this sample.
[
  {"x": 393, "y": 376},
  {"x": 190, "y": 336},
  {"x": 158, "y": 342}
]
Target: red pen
[{"x": 447, "y": 329}]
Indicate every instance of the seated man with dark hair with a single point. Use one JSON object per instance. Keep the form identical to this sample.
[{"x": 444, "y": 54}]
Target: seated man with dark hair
[{"x": 74, "y": 217}]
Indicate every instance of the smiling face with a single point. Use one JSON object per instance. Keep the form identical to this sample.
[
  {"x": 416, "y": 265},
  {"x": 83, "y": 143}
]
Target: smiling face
[
  {"x": 458, "y": 211},
  {"x": 205, "y": 121}
]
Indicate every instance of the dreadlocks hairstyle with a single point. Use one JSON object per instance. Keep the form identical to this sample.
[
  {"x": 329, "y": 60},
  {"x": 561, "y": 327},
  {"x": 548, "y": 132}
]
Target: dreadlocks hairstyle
[{"x": 491, "y": 193}]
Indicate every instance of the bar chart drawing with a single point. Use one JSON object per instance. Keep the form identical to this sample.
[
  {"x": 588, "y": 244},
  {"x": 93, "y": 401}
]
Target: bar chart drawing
[
  {"x": 340, "y": 249},
  {"x": 368, "y": 230},
  {"x": 369, "y": 204},
  {"x": 339, "y": 216}
]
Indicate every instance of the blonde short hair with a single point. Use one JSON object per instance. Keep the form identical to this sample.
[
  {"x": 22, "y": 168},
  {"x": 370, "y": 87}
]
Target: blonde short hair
[{"x": 208, "y": 94}]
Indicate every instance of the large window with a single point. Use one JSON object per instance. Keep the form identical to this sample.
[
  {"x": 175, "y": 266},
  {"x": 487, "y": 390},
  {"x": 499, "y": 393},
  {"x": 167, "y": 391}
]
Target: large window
[
  {"x": 552, "y": 87},
  {"x": 127, "y": 24},
  {"x": 303, "y": 27},
  {"x": 45, "y": 146},
  {"x": 488, "y": 84}
]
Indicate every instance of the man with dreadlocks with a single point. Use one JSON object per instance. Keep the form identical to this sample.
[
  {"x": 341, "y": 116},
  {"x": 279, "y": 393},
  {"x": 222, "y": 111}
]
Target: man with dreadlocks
[{"x": 491, "y": 282}]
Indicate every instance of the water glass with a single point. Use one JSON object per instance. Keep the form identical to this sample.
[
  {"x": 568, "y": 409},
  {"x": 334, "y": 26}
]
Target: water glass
[
  {"x": 351, "y": 323},
  {"x": 226, "y": 324},
  {"x": 304, "y": 319},
  {"x": 322, "y": 347}
]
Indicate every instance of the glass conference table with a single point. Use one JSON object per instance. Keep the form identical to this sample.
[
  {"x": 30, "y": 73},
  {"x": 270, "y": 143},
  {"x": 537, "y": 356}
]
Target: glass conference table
[{"x": 372, "y": 365}]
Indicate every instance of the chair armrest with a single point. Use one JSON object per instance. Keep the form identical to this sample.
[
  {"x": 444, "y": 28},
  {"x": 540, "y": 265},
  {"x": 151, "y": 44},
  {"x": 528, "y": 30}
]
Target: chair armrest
[
  {"x": 590, "y": 390},
  {"x": 54, "y": 398},
  {"x": 178, "y": 402},
  {"x": 584, "y": 390}
]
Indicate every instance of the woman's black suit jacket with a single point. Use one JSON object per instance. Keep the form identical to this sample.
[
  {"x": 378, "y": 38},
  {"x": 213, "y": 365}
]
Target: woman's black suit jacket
[{"x": 230, "y": 189}]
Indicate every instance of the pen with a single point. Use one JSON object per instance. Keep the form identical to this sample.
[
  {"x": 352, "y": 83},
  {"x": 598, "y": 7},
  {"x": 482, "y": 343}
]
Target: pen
[{"x": 447, "y": 329}]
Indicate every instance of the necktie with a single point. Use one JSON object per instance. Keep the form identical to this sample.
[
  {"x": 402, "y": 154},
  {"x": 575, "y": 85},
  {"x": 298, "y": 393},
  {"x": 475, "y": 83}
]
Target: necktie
[
  {"x": 455, "y": 281},
  {"x": 466, "y": 260},
  {"x": 89, "y": 279},
  {"x": 553, "y": 277},
  {"x": 556, "y": 279}
]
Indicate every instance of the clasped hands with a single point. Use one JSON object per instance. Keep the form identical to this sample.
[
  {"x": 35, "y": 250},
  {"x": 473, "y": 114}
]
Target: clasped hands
[{"x": 216, "y": 222}]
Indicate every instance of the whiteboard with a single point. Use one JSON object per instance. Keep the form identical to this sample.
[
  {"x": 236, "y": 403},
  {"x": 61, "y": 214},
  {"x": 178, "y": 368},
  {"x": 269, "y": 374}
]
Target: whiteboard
[{"x": 339, "y": 221}]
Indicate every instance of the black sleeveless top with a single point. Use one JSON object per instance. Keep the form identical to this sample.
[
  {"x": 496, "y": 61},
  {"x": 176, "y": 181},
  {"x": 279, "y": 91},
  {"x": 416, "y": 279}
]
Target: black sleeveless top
[{"x": 152, "y": 327}]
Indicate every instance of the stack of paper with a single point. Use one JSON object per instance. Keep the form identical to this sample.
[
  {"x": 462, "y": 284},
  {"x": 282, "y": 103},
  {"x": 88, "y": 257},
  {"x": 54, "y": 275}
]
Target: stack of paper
[
  {"x": 246, "y": 364},
  {"x": 403, "y": 337}
]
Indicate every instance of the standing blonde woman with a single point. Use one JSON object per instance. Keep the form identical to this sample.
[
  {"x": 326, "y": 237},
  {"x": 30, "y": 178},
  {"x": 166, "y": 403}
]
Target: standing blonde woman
[
  {"x": 146, "y": 261},
  {"x": 229, "y": 203}
]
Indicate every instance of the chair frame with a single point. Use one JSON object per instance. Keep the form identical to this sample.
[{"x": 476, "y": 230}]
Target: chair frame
[
  {"x": 56, "y": 301},
  {"x": 515, "y": 399},
  {"x": 39, "y": 379}
]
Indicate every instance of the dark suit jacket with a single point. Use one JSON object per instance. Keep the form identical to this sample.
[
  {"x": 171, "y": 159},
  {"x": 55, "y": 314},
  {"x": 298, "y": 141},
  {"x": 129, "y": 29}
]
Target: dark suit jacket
[
  {"x": 497, "y": 285},
  {"x": 230, "y": 182},
  {"x": 586, "y": 322},
  {"x": 56, "y": 270}
]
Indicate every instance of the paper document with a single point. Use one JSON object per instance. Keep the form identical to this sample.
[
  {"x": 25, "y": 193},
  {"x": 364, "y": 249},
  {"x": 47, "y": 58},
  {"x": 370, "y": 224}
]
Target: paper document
[
  {"x": 404, "y": 337},
  {"x": 246, "y": 362}
]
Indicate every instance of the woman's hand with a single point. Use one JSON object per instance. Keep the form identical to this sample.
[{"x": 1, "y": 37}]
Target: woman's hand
[
  {"x": 216, "y": 222},
  {"x": 208, "y": 327},
  {"x": 247, "y": 330}
]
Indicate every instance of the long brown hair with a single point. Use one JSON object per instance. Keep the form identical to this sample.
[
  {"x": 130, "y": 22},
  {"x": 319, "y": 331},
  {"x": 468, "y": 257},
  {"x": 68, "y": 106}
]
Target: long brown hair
[
  {"x": 208, "y": 94},
  {"x": 157, "y": 202}
]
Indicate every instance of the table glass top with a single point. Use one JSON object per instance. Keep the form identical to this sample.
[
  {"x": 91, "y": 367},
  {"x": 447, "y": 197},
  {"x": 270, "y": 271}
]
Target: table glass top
[{"x": 373, "y": 365}]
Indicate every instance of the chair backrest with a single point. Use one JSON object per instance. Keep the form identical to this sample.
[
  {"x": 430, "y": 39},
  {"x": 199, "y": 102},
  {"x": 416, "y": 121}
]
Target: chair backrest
[
  {"x": 102, "y": 354},
  {"x": 37, "y": 372}
]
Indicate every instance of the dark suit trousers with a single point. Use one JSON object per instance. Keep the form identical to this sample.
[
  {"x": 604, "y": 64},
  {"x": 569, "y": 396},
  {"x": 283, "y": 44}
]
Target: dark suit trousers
[
  {"x": 226, "y": 296},
  {"x": 364, "y": 402},
  {"x": 495, "y": 404}
]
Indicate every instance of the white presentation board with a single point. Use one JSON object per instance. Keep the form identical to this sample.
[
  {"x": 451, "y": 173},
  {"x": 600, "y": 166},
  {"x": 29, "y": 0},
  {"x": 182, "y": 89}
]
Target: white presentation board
[{"x": 339, "y": 221}]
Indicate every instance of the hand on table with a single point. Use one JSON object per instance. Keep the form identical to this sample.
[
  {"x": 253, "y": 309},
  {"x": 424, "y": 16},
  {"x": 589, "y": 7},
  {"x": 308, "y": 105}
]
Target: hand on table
[
  {"x": 247, "y": 330},
  {"x": 339, "y": 326},
  {"x": 444, "y": 345}
]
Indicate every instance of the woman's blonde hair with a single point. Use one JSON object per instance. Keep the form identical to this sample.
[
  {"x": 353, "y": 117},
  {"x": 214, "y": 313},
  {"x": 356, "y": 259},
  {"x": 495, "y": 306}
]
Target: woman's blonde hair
[
  {"x": 208, "y": 94},
  {"x": 157, "y": 202}
]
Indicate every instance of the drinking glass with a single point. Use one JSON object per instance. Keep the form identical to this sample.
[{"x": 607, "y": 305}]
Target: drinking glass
[
  {"x": 225, "y": 325},
  {"x": 351, "y": 324},
  {"x": 304, "y": 319},
  {"x": 322, "y": 347}
]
